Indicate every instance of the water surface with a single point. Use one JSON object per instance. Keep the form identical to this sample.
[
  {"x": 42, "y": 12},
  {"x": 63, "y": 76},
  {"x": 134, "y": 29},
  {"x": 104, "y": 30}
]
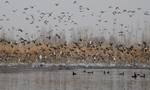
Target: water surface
[{"x": 80, "y": 79}]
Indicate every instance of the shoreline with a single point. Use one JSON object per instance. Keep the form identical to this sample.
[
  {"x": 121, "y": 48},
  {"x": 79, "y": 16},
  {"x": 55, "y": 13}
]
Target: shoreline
[{"x": 16, "y": 68}]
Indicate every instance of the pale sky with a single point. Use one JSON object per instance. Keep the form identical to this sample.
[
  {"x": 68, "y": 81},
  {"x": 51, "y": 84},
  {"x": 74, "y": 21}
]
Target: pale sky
[{"x": 98, "y": 16}]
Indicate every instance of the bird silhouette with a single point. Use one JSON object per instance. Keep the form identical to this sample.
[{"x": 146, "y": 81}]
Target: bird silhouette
[
  {"x": 73, "y": 73},
  {"x": 134, "y": 76}
]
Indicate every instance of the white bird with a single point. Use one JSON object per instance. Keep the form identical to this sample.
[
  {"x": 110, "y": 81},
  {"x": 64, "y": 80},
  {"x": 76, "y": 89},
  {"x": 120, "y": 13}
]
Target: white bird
[
  {"x": 90, "y": 42},
  {"x": 40, "y": 57}
]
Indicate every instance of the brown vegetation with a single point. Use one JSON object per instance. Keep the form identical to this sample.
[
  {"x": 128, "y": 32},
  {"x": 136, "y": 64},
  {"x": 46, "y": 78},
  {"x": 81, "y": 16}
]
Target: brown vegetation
[{"x": 75, "y": 52}]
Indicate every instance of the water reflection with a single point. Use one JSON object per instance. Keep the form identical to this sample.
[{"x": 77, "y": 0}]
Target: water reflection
[{"x": 99, "y": 79}]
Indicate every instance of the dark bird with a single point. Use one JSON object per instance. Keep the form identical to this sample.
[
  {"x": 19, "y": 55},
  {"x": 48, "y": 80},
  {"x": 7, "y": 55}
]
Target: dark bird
[
  {"x": 1, "y": 19},
  {"x": 114, "y": 12},
  {"x": 130, "y": 15},
  {"x": 37, "y": 26},
  {"x": 99, "y": 20},
  {"x": 32, "y": 7},
  {"x": 27, "y": 18},
  {"x": 124, "y": 10},
  {"x": 134, "y": 76},
  {"x": 14, "y": 11},
  {"x": 56, "y": 4},
  {"x": 106, "y": 72},
  {"x": 41, "y": 65},
  {"x": 74, "y": 2},
  {"x": 87, "y": 9},
  {"x": 7, "y": 2},
  {"x": 117, "y": 8},
  {"x": 84, "y": 71},
  {"x": 139, "y": 8},
  {"x": 4, "y": 15},
  {"x": 121, "y": 73},
  {"x": 73, "y": 73},
  {"x": 1, "y": 27},
  {"x": 110, "y": 7},
  {"x": 46, "y": 22},
  {"x": 146, "y": 13},
  {"x": 105, "y": 21},
  {"x": 102, "y": 11},
  {"x": 50, "y": 14},
  {"x": 56, "y": 25},
  {"x": 26, "y": 8},
  {"x": 58, "y": 36},
  {"x": 49, "y": 37},
  {"x": 90, "y": 72},
  {"x": 7, "y": 19},
  {"x": 20, "y": 30},
  {"x": 142, "y": 76},
  {"x": 32, "y": 19}
]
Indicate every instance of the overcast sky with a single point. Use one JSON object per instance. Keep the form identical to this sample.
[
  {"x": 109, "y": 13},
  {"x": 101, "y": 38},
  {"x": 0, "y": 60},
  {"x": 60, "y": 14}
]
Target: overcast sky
[{"x": 100, "y": 17}]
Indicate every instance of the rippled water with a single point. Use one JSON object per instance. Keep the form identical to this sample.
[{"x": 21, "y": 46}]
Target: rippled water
[{"x": 97, "y": 79}]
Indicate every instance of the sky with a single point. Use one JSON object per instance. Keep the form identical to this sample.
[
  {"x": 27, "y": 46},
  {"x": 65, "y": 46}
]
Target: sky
[{"x": 94, "y": 18}]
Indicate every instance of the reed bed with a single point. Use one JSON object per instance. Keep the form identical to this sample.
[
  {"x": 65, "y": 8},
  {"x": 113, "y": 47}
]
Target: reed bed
[{"x": 75, "y": 52}]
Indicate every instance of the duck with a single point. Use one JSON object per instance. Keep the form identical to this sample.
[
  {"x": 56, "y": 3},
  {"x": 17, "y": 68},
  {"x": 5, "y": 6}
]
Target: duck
[
  {"x": 134, "y": 76},
  {"x": 73, "y": 73}
]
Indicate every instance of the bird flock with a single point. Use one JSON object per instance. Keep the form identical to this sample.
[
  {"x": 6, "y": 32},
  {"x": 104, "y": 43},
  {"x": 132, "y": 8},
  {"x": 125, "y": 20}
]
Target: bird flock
[
  {"x": 134, "y": 75},
  {"x": 60, "y": 38}
]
